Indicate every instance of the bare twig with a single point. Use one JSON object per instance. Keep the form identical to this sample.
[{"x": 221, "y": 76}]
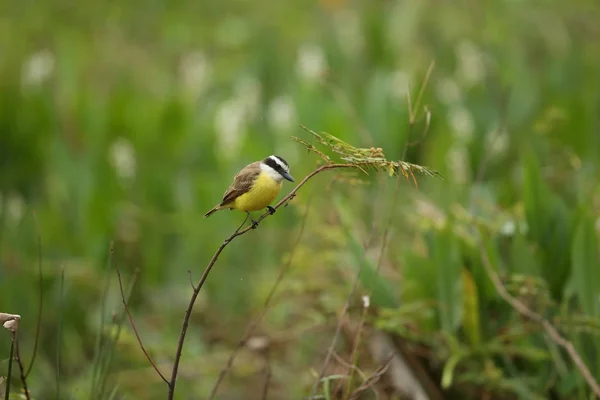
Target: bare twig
[
  {"x": 96, "y": 386},
  {"x": 191, "y": 282},
  {"x": 10, "y": 362},
  {"x": 373, "y": 379},
  {"x": 59, "y": 334},
  {"x": 107, "y": 351},
  {"x": 250, "y": 330},
  {"x": 552, "y": 332},
  {"x": 238, "y": 232},
  {"x": 267, "y": 377},
  {"x": 412, "y": 115},
  {"x": 338, "y": 330},
  {"x": 41, "y": 298},
  {"x": 350, "y": 366},
  {"x": 21, "y": 369},
  {"x": 133, "y": 326},
  {"x": 10, "y": 323},
  {"x": 354, "y": 354},
  {"x": 412, "y": 112}
]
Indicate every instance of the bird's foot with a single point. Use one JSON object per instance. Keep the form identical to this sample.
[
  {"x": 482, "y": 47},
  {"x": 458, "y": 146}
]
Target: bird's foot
[
  {"x": 271, "y": 210},
  {"x": 252, "y": 221}
]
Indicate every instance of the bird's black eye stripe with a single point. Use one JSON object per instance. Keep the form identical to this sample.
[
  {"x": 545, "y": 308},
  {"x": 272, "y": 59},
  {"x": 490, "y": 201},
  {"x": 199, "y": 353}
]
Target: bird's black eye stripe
[{"x": 273, "y": 164}]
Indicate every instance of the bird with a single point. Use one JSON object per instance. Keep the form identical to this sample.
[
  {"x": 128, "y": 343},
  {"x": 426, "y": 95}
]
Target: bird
[{"x": 255, "y": 187}]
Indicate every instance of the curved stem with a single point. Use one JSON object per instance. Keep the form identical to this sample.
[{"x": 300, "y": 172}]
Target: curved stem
[{"x": 215, "y": 257}]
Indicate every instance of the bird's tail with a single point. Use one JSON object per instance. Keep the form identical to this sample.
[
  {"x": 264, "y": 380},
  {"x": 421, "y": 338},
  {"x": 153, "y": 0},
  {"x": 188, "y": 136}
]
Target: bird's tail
[{"x": 212, "y": 211}]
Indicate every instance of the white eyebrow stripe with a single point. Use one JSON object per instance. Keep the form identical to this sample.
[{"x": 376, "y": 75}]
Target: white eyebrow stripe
[{"x": 281, "y": 164}]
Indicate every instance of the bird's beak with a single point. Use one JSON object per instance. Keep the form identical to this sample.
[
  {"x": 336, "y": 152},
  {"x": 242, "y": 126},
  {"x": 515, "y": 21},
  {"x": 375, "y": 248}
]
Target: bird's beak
[{"x": 287, "y": 176}]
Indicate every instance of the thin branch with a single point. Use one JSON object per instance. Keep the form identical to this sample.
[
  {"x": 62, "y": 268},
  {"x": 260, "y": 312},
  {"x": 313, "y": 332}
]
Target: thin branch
[
  {"x": 350, "y": 366},
  {"x": 137, "y": 335},
  {"x": 412, "y": 112},
  {"x": 250, "y": 330},
  {"x": 59, "y": 334},
  {"x": 422, "y": 90},
  {"x": 191, "y": 282},
  {"x": 338, "y": 330},
  {"x": 41, "y": 294},
  {"x": 96, "y": 374},
  {"x": 107, "y": 351},
  {"x": 238, "y": 232},
  {"x": 267, "y": 378},
  {"x": 11, "y": 323},
  {"x": 10, "y": 362},
  {"x": 21, "y": 369},
  {"x": 552, "y": 332},
  {"x": 373, "y": 379},
  {"x": 354, "y": 354}
]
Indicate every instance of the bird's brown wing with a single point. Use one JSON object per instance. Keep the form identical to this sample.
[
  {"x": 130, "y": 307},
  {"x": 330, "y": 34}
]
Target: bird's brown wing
[{"x": 242, "y": 182}]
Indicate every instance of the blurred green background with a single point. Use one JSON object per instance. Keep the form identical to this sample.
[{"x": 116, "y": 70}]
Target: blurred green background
[{"x": 125, "y": 121}]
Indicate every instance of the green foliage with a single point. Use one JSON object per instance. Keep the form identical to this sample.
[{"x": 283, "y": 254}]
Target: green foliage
[{"x": 125, "y": 122}]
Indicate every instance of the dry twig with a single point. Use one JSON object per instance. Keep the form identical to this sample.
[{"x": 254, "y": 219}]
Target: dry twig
[
  {"x": 250, "y": 330},
  {"x": 551, "y": 331},
  {"x": 373, "y": 379},
  {"x": 238, "y": 232},
  {"x": 135, "y": 331},
  {"x": 10, "y": 323},
  {"x": 267, "y": 378},
  {"x": 41, "y": 298},
  {"x": 21, "y": 368}
]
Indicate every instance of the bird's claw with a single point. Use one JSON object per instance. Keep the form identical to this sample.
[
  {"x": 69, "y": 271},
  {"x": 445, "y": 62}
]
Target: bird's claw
[
  {"x": 271, "y": 210},
  {"x": 252, "y": 221}
]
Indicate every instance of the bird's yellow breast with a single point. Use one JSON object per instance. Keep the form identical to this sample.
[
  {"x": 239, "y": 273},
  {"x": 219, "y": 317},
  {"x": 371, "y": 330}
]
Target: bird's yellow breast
[{"x": 262, "y": 193}]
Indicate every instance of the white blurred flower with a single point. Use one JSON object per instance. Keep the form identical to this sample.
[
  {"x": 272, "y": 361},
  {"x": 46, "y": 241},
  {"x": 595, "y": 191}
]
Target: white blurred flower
[
  {"x": 232, "y": 115},
  {"x": 496, "y": 142},
  {"x": 347, "y": 25},
  {"x": 37, "y": 68},
  {"x": 194, "y": 73},
  {"x": 247, "y": 95},
  {"x": 457, "y": 160},
  {"x": 122, "y": 158},
  {"x": 230, "y": 126},
  {"x": 15, "y": 208},
  {"x": 508, "y": 228},
  {"x": 366, "y": 301},
  {"x": 462, "y": 124},
  {"x": 281, "y": 113},
  {"x": 512, "y": 227},
  {"x": 448, "y": 91},
  {"x": 311, "y": 63},
  {"x": 471, "y": 66},
  {"x": 400, "y": 85}
]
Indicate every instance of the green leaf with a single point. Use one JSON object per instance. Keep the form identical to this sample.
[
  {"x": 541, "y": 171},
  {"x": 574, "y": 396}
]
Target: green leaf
[
  {"x": 586, "y": 266},
  {"x": 382, "y": 292},
  {"x": 444, "y": 250},
  {"x": 449, "y": 367},
  {"x": 470, "y": 308},
  {"x": 549, "y": 221}
]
